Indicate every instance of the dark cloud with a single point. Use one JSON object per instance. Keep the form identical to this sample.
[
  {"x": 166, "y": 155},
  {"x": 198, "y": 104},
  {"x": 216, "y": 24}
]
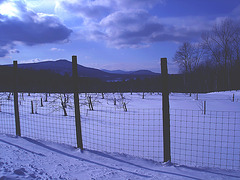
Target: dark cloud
[
  {"x": 137, "y": 28},
  {"x": 30, "y": 28},
  {"x": 31, "y": 33},
  {"x": 127, "y": 23},
  {"x": 141, "y": 36}
]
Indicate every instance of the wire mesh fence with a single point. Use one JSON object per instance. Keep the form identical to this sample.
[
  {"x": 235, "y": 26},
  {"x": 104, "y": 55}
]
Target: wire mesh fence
[
  {"x": 7, "y": 117},
  {"x": 210, "y": 140},
  {"x": 42, "y": 117},
  {"x": 135, "y": 132}
]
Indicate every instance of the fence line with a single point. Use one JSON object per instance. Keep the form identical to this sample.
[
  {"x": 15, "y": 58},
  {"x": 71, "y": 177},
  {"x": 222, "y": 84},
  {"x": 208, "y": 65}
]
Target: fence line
[
  {"x": 210, "y": 140},
  {"x": 135, "y": 132}
]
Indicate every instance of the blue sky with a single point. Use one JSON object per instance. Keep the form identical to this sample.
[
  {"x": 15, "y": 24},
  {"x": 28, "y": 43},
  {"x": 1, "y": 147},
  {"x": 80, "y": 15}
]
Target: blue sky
[{"x": 106, "y": 34}]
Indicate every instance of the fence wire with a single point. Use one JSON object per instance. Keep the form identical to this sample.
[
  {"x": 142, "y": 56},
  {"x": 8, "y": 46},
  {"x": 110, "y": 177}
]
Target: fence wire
[
  {"x": 210, "y": 140},
  {"x": 135, "y": 132},
  {"x": 7, "y": 117},
  {"x": 42, "y": 117}
]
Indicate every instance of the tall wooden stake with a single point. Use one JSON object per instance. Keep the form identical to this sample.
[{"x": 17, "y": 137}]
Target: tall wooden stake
[
  {"x": 76, "y": 103},
  {"x": 165, "y": 110},
  {"x": 15, "y": 93}
]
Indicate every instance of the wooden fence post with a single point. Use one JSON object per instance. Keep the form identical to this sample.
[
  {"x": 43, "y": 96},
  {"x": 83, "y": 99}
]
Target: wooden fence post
[
  {"x": 41, "y": 102},
  {"x": 165, "y": 111},
  {"x": 204, "y": 107},
  {"x": 76, "y": 103},
  {"x": 32, "y": 110},
  {"x": 15, "y": 94}
]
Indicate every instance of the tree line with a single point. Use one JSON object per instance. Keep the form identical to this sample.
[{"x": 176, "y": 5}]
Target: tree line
[{"x": 213, "y": 63}]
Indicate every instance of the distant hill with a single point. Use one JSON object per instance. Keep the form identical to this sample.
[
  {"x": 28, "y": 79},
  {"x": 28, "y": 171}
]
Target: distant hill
[
  {"x": 139, "y": 72},
  {"x": 64, "y": 67},
  {"x": 117, "y": 71},
  {"x": 144, "y": 72}
]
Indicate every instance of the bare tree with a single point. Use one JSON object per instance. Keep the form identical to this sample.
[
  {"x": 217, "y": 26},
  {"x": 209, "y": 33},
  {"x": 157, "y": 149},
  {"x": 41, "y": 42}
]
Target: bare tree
[
  {"x": 90, "y": 105},
  {"x": 90, "y": 100},
  {"x": 188, "y": 56},
  {"x": 222, "y": 45},
  {"x": 63, "y": 103}
]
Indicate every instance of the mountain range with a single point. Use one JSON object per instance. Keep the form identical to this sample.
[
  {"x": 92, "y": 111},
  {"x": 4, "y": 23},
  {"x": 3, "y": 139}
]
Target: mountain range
[{"x": 64, "y": 67}]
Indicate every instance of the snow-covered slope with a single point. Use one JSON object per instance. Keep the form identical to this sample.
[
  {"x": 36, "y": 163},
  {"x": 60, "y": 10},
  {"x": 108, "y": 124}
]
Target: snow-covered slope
[{"x": 25, "y": 158}]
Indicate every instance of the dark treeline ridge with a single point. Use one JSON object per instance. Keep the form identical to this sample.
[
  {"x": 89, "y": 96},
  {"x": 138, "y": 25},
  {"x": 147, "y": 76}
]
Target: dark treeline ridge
[
  {"x": 47, "y": 81},
  {"x": 208, "y": 78},
  {"x": 213, "y": 62}
]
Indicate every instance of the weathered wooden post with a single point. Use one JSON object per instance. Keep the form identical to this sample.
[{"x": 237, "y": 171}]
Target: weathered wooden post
[
  {"x": 76, "y": 103},
  {"x": 46, "y": 97},
  {"x": 204, "y": 107},
  {"x": 41, "y": 102},
  {"x": 15, "y": 94},
  {"x": 32, "y": 110},
  {"x": 165, "y": 111}
]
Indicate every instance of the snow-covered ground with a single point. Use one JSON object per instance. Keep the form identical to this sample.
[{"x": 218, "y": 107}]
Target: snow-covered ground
[
  {"x": 117, "y": 139},
  {"x": 25, "y": 158}
]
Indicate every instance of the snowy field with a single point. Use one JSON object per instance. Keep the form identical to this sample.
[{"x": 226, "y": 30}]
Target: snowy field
[
  {"x": 209, "y": 140},
  {"x": 25, "y": 158}
]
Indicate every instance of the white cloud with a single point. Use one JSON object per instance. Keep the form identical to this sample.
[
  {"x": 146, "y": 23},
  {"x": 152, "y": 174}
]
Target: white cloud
[
  {"x": 9, "y": 8},
  {"x": 36, "y": 60},
  {"x": 42, "y": 6},
  {"x": 56, "y": 49}
]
